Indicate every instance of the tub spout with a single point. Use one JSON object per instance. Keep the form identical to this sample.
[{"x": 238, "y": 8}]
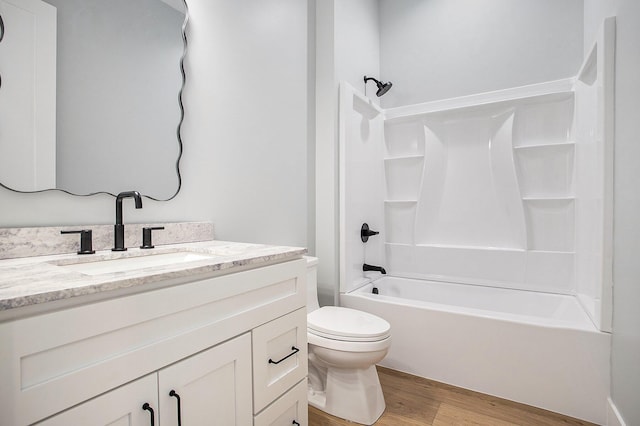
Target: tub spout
[{"x": 380, "y": 269}]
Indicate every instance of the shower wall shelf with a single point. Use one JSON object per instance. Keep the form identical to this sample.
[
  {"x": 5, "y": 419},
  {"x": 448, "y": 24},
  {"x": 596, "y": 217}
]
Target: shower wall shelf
[
  {"x": 445, "y": 246},
  {"x": 404, "y": 158},
  {"x": 568, "y": 198},
  {"x": 570, "y": 253},
  {"x": 545, "y": 145}
]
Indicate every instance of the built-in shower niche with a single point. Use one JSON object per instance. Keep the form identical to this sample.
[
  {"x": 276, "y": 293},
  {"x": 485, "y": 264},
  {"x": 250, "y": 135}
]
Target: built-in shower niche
[
  {"x": 403, "y": 169},
  {"x": 402, "y": 177},
  {"x": 544, "y": 153},
  {"x": 550, "y": 224},
  {"x": 546, "y": 171},
  {"x": 403, "y": 138},
  {"x": 543, "y": 120},
  {"x": 399, "y": 219}
]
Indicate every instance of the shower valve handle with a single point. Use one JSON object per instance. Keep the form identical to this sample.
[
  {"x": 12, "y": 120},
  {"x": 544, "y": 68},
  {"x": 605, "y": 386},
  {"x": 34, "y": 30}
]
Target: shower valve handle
[{"x": 365, "y": 233}]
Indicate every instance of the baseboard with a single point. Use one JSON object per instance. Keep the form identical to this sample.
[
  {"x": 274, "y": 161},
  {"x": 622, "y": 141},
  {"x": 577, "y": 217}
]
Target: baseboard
[{"x": 613, "y": 415}]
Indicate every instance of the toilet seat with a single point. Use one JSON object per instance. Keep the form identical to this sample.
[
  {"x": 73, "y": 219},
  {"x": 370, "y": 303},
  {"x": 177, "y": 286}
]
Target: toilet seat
[
  {"x": 347, "y": 330},
  {"x": 347, "y": 346},
  {"x": 346, "y": 324}
]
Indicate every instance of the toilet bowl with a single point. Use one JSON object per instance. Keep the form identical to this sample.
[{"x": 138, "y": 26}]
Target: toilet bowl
[{"x": 344, "y": 346}]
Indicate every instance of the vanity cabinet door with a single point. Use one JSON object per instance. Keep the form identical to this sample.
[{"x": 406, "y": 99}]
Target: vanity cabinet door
[
  {"x": 212, "y": 387},
  {"x": 119, "y": 407}
]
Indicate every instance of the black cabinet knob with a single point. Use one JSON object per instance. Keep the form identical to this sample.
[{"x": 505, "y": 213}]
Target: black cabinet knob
[
  {"x": 86, "y": 244},
  {"x": 146, "y": 237}
]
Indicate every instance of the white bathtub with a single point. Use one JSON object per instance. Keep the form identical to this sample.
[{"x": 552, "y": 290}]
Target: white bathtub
[{"x": 540, "y": 349}]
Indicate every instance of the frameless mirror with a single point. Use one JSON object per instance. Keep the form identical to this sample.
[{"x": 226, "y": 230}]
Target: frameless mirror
[{"x": 90, "y": 95}]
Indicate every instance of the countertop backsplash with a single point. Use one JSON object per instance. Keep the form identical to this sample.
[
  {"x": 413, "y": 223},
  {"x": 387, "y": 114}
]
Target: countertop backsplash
[{"x": 43, "y": 241}]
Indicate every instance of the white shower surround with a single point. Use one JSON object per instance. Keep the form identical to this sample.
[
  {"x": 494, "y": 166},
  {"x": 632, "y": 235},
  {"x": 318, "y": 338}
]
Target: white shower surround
[{"x": 508, "y": 189}]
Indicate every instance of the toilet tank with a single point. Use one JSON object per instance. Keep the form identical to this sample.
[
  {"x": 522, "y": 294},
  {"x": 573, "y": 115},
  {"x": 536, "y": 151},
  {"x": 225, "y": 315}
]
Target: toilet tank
[{"x": 312, "y": 283}]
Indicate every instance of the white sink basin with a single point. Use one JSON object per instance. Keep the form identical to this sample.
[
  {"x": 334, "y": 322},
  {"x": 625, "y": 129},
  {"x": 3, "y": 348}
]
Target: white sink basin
[{"x": 134, "y": 263}]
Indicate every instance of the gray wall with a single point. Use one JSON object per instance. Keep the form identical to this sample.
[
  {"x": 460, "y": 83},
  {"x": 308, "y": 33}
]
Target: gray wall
[
  {"x": 625, "y": 354},
  {"x": 357, "y": 49},
  {"x": 245, "y": 132},
  {"x": 594, "y": 12},
  {"x": 438, "y": 49}
]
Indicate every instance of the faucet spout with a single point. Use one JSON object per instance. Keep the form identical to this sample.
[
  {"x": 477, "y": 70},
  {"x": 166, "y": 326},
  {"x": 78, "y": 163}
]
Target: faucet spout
[
  {"x": 118, "y": 228},
  {"x": 128, "y": 194},
  {"x": 380, "y": 269}
]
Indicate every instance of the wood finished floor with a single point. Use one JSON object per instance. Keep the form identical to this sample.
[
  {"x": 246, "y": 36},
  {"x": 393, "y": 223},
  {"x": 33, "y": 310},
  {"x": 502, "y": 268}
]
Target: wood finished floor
[{"x": 414, "y": 401}]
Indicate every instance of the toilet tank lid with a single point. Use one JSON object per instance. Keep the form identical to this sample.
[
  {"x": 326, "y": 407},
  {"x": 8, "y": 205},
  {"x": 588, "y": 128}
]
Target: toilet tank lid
[
  {"x": 345, "y": 322},
  {"x": 311, "y": 261}
]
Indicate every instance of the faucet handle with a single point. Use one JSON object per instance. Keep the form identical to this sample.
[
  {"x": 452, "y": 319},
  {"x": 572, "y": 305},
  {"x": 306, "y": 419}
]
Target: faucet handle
[
  {"x": 365, "y": 233},
  {"x": 146, "y": 236},
  {"x": 86, "y": 244}
]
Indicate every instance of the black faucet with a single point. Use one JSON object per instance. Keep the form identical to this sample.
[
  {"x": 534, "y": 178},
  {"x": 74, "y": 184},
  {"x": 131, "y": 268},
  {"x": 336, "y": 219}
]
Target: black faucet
[
  {"x": 380, "y": 269},
  {"x": 118, "y": 228}
]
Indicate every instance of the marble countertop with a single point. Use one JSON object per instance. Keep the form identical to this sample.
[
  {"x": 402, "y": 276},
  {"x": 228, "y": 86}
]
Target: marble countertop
[{"x": 38, "y": 280}]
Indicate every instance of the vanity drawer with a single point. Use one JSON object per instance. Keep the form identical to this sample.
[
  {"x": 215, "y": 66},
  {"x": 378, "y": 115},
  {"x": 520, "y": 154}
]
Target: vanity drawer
[
  {"x": 289, "y": 408},
  {"x": 279, "y": 357}
]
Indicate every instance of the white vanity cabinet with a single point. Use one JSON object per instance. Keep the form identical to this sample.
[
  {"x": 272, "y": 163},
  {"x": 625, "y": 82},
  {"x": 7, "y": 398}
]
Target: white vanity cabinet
[
  {"x": 214, "y": 387},
  {"x": 209, "y": 340}
]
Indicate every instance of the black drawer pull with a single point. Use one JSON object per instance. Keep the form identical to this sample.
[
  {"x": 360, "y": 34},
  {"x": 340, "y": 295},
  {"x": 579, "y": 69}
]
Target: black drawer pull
[
  {"x": 1, "y": 28},
  {"x": 174, "y": 394},
  {"x": 295, "y": 351},
  {"x": 147, "y": 407},
  {"x": 295, "y": 423}
]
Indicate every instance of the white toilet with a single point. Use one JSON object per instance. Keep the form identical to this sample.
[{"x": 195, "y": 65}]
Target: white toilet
[{"x": 344, "y": 346}]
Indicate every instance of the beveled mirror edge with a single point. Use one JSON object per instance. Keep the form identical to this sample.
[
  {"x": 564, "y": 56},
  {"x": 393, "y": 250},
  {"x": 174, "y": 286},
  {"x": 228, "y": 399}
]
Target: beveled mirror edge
[{"x": 178, "y": 130}]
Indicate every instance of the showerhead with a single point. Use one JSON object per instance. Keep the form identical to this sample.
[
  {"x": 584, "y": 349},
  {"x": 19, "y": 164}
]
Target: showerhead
[{"x": 382, "y": 87}]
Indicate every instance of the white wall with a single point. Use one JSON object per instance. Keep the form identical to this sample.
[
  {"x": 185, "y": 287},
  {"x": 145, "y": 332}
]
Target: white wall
[
  {"x": 439, "y": 49},
  {"x": 626, "y": 268},
  {"x": 245, "y": 132}
]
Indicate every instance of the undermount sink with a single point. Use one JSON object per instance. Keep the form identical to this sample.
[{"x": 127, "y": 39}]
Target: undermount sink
[{"x": 127, "y": 264}]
